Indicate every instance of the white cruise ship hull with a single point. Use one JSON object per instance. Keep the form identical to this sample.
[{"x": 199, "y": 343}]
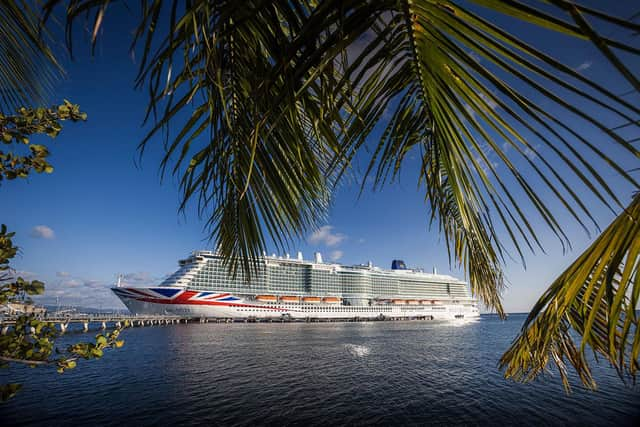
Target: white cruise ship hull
[{"x": 180, "y": 301}]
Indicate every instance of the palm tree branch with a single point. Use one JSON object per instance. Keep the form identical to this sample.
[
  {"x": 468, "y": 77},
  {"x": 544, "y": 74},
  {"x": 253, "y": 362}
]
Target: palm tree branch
[
  {"x": 596, "y": 296},
  {"x": 28, "y": 68}
]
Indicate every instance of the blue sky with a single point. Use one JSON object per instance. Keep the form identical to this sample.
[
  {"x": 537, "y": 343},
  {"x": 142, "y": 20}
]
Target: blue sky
[{"x": 103, "y": 211}]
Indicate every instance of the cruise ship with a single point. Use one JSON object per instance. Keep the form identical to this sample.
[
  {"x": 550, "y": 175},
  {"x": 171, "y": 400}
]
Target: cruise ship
[{"x": 294, "y": 288}]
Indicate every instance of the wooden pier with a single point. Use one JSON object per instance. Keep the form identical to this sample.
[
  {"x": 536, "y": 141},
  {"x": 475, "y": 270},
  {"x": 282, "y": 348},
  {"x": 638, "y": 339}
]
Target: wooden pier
[{"x": 105, "y": 321}]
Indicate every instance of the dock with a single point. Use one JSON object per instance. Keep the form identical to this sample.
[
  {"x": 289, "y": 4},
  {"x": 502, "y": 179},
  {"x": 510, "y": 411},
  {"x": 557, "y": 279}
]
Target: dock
[
  {"x": 103, "y": 321},
  {"x": 106, "y": 321}
]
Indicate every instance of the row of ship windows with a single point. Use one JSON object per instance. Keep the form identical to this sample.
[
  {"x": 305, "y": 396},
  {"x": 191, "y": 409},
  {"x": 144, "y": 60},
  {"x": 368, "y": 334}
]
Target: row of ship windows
[
  {"x": 374, "y": 286},
  {"x": 225, "y": 279},
  {"x": 321, "y": 308},
  {"x": 275, "y": 285},
  {"x": 221, "y": 271},
  {"x": 342, "y": 309},
  {"x": 323, "y": 276}
]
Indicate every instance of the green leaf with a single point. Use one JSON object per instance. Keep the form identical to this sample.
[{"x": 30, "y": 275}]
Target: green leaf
[
  {"x": 35, "y": 287},
  {"x": 596, "y": 297},
  {"x": 28, "y": 68},
  {"x": 7, "y": 391},
  {"x": 101, "y": 340}
]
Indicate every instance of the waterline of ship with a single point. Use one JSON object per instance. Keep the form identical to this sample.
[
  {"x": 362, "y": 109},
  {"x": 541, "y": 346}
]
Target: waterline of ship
[{"x": 294, "y": 288}]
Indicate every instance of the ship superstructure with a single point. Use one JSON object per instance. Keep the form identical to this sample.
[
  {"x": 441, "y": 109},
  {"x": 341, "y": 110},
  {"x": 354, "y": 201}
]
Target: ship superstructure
[{"x": 298, "y": 288}]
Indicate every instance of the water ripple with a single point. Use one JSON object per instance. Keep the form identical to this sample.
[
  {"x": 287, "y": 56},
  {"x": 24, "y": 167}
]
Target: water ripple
[{"x": 382, "y": 373}]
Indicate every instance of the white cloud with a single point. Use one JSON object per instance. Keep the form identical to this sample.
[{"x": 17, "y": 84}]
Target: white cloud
[
  {"x": 71, "y": 283},
  {"x": 94, "y": 284},
  {"x": 584, "y": 66},
  {"x": 72, "y": 290},
  {"x": 42, "y": 232},
  {"x": 336, "y": 255},
  {"x": 469, "y": 110},
  {"x": 138, "y": 278},
  {"x": 490, "y": 102},
  {"x": 324, "y": 236},
  {"x": 87, "y": 292},
  {"x": 475, "y": 56},
  {"x": 530, "y": 153},
  {"x": 11, "y": 275}
]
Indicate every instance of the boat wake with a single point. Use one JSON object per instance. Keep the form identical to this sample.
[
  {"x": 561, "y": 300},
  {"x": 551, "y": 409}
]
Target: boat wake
[{"x": 357, "y": 350}]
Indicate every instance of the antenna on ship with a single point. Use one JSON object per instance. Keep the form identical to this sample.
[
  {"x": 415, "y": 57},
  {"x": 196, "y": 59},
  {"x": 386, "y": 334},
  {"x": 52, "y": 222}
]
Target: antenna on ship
[
  {"x": 119, "y": 280},
  {"x": 435, "y": 270}
]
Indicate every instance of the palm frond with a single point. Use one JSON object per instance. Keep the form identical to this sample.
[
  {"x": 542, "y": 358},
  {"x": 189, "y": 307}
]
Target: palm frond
[
  {"x": 253, "y": 90},
  {"x": 444, "y": 78},
  {"x": 262, "y": 164},
  {"x": 28, "y": 68},
  {"x": 465, "y": 234},
  {"x": 273, "y": 101},
  {"x": 597, "y": 297}
]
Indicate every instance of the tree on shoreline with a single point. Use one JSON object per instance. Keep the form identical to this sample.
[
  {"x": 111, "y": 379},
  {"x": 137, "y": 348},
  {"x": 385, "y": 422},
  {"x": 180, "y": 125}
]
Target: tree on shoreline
[
  {"x": 284, "y": 97},
  {"x": 27, "y": 72},
  {"x": 31, "y": 340}
]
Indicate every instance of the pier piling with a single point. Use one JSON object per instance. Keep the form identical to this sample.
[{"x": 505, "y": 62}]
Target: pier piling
[{"x": 101, "y": 321}]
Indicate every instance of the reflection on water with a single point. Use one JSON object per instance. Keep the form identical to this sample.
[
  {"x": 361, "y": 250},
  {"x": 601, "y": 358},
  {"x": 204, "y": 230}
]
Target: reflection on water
[
  {"x": 413, "y": 373},
  {"x": 357, "y": 350}
]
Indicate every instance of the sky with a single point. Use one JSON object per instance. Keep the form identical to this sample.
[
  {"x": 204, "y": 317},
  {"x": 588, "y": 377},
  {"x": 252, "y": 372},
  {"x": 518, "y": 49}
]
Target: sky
[{"x": 104, "y": 211}]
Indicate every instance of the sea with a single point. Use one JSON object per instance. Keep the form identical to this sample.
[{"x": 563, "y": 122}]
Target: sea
[{"x": 414, "y": 373}]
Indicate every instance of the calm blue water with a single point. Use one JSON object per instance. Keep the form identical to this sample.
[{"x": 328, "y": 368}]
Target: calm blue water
[{"x": 387, "y": 373}]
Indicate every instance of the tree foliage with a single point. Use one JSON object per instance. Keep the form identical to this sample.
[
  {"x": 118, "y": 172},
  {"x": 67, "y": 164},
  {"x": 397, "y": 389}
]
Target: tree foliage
[
  {"x": 264, "y": 107},
  {"x": 16, "y": 130},
  {"x": 31, "y": 340}
]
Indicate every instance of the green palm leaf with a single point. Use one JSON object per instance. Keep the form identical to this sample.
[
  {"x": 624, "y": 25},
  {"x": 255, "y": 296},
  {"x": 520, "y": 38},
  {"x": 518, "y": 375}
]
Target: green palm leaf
[
  {"x": 28, "y": 68},
  {"x": 264, "y": 106},
  {"x": 472, "y": 115},
  {"x": 597, "y": 297}
]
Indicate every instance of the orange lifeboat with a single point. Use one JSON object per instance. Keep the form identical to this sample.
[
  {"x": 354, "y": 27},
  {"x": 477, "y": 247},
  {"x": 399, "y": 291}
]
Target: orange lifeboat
[
  {"x": 290, "y": 299},
  {"x": 331, "y": 300},
  {"x": 413, "y": 302},
  {"x": 266, "y": 298},
  {"x": 314, "y": 300},
  {"x": 399, "y": 301}
]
